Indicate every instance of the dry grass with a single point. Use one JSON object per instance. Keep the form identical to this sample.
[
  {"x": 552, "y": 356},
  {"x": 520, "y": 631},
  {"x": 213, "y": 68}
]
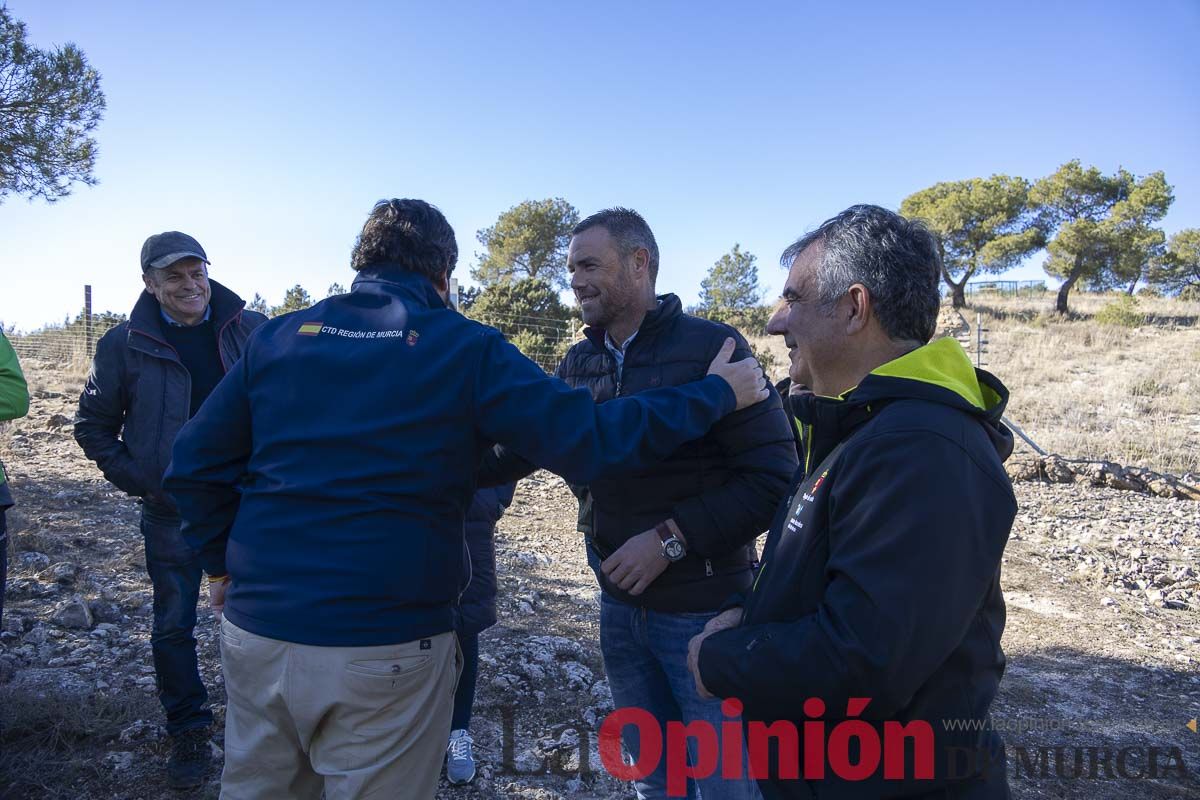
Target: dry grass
[
  {"x": 45, "y": 376},
  {"x": 1087, "y": 390},
  {"x": 50, "y": 744}
]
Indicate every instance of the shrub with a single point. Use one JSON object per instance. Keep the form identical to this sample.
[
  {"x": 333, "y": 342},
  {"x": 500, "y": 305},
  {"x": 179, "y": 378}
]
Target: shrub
[
  {"x": 530, "y": 314},
  {"x": 765, "y": 358},
  {"x": 1122, "y": 312},
  {"x": 1147, "y": 387}
]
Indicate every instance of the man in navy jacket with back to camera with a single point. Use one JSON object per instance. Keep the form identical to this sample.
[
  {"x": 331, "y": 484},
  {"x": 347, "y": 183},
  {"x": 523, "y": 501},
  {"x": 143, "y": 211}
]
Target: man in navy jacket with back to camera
[{"x": 329, "y": 475}]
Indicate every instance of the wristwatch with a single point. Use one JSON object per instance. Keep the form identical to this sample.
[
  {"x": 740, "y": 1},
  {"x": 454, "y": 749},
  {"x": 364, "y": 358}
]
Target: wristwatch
[{"x": 672, "y": 545}]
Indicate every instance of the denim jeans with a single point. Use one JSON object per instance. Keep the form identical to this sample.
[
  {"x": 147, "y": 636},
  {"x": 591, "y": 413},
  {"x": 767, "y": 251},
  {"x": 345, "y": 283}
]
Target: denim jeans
[
  {"x": 175, "y": 575},
  {"x": 645, "y": 656}
]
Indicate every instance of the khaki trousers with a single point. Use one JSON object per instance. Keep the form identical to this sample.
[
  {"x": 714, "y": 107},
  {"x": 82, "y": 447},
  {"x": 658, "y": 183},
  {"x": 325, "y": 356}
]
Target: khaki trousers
[{"x": 352, "y": 722}]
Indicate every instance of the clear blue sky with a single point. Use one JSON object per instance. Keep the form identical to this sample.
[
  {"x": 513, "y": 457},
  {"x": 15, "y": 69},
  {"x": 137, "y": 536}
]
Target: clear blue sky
[{"x": 267, "y": 130}]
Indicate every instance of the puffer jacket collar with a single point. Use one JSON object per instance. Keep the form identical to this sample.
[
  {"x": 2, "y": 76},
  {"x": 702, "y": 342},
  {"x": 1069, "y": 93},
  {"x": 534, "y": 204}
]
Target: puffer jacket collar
[{"x": 669, "y": 309}]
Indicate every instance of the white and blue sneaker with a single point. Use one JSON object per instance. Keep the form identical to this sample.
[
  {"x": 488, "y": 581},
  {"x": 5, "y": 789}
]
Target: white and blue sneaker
[{"x": 460, "y": 760}]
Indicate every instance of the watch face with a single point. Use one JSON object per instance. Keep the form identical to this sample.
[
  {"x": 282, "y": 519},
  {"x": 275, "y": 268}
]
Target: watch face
[{"x": 673, "y": 549}]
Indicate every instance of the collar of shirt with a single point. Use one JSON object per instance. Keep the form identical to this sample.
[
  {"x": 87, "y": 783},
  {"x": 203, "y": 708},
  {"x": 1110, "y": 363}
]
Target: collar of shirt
[
  {"x": 619, "y": 352},
  {"x": 167, "y": 317}
]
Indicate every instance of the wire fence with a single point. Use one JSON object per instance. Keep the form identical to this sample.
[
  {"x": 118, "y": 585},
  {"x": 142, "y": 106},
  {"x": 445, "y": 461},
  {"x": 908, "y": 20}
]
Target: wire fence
[
  {"x": 543, "y": 340},
  {"x": 1006, "y": 288},
  {"x": 64, "y": 347},
  {"x": 70, "y": 345}
]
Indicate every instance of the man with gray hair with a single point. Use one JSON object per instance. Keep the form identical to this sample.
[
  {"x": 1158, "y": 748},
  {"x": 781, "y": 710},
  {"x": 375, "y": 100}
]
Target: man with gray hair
[
  {"x": 878, "y": 599},
  {"x": 149, "y": 377}
]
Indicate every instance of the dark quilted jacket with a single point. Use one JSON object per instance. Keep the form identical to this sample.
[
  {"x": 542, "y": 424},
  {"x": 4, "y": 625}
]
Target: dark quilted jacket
[{"x": 721, "y": 489}]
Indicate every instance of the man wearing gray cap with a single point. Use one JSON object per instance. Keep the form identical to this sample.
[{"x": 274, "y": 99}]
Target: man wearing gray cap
[{"x": 149, "y": 377}]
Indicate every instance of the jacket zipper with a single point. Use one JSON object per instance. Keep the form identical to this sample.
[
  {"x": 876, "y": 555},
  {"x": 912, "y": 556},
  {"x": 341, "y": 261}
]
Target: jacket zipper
[{"x": 220, "y": 350}]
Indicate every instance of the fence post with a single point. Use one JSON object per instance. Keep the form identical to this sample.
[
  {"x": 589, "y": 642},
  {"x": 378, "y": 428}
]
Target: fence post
[
  {"x": 87, "y": 317},
  {"x": 980, "y": 342}
]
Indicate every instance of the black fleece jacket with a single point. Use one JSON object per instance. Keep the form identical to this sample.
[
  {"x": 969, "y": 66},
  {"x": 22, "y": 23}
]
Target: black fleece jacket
[{"x": 881, "y": 575}]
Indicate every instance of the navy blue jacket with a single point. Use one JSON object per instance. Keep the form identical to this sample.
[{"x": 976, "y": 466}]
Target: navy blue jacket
[
  {"x": 332, "y": 468},
  {"x": 881, "y": 576},
  {"x": 138, "y": 395}
]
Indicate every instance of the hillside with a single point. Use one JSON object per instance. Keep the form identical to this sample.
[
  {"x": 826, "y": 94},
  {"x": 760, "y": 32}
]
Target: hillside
[{"x": 1102, "y": 585}]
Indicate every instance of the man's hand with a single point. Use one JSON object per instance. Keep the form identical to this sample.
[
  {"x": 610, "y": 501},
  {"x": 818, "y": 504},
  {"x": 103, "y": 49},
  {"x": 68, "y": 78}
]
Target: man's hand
[
  {"x": 745, "y": 377},
  {"x": 636, "y": 563},
  {"x": 730, "y": 618},
  {"x": 216, "y": 595}
]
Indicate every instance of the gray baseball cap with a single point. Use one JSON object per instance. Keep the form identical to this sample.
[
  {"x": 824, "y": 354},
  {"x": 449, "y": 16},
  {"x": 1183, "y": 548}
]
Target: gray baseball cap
[{"x": 164, "y": 249}]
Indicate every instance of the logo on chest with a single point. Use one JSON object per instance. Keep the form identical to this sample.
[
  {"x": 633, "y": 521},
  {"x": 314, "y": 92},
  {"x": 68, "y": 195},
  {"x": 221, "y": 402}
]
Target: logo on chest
[{"x": 805, "y": 497}]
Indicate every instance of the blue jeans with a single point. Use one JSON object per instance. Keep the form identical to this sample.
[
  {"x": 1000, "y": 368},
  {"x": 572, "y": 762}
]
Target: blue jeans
[
  {"x": 175, "y": 575},
  {"x": 645, "y": 656}
]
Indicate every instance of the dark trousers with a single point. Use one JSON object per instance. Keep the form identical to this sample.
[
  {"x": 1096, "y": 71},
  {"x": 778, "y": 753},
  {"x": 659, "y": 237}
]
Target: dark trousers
[
  {"x": 464, "y": 695},
  {"x": 176, "y": 576}
]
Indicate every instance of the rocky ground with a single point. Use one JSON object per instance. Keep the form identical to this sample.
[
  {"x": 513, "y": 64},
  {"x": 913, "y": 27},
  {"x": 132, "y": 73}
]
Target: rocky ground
[{"x": 1103, "y": 637}]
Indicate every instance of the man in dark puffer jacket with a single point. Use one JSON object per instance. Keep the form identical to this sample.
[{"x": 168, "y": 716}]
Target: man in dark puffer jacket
[{"x": 668, "y": 543}]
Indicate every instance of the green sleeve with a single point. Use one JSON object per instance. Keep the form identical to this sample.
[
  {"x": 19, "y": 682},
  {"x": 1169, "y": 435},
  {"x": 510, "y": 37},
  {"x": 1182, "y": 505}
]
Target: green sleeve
[{"x": 14, "y": 394}]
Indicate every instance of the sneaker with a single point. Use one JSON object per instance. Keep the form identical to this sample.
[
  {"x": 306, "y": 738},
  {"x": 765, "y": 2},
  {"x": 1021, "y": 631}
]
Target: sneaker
[
  {"x": 460, "y": 761},
  {"x": 191, "y": 755}
]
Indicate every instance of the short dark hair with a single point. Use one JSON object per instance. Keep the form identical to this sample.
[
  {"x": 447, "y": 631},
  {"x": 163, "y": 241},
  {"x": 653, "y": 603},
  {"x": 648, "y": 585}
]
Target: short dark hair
[
  {"x": 897, "y": 259},
  {"x": 629, "y": 230},
  {"x": 407, "y": 233}
]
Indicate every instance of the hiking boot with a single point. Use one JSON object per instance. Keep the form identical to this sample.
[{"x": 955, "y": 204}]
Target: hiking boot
[
  {"x": 191, "y": 756},
  {"x": 460, "y": 761}
]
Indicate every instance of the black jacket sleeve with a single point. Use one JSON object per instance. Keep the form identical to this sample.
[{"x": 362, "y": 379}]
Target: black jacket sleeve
[
  {"x": 760, "y": 451},
  {"x": 502, "y": 466},
  {"x": 917, "y": 530},
  {"x": 102, "y": 407}
]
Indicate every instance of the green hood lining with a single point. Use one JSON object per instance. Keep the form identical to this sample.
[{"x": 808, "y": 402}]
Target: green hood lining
[
  {"x": 941, "y": 366},
  {"x": 943, "y": 363}
]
